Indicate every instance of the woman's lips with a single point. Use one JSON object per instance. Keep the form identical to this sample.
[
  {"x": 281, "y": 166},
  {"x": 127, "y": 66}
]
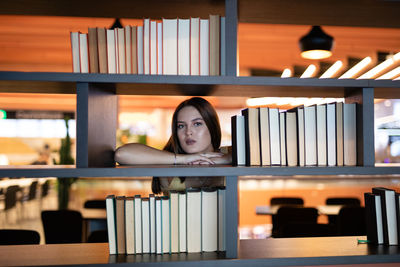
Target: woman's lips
[{"x": 190, "y": 142}]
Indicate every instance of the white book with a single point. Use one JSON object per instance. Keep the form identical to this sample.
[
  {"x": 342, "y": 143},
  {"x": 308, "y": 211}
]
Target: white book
[
  {"x": 83, "y": 52},
  {"x": 379, "y": 223},
  {"x": 204, "y": 47},
  {"x": 331, "y": 133},
  {"x": 174, "y": 220},
  {"x": 238, "y": 140},
  {"x": 223, "y": 47},
  {"x": 166, "y": 230},
  {"x": 193, "y": 220},
  {"x": 349, "y": 135},
  {"x": 291, "y": 138},
  {"x": 339, "y": 134},
  {"x": 264, "y": 136},
  {"x": 159, "y": 249},
  {"x": 117, "y": 67},
  {"x": 111, "y": 55},
  {"x": 194, "y": 46},
  {"x": 153, "y": 47},
  {"x": 130, "y": 225},
  {"x": 321, "y": 135},
  {"x": 146, "y": 46},
  {"x": 121, "y": 51},
  {"x": 111, "y": 226},
  {"x": 75, "y": 52},
  {"x": 221, "y": 218},
  {"x": 159, "y": 49},
  {"x": 138, "y": 225},
  {"x": 300, "y": 131},
  {"x": 145, "y": 225},
  {"x": 282, "y": 131},
  {"x": 139, "y": 47},
  {"x": 182, "y": 221},
  {"x": 274, "y": 136},
  {"x": 170, "y": 46},
  {"x": 152, "y": 204},
  {"x": 209, "y": 219},
  {"x": 183, "y": 46},
  {"x": 128, "y": 49},
  {"x": 310, "y": 136}
]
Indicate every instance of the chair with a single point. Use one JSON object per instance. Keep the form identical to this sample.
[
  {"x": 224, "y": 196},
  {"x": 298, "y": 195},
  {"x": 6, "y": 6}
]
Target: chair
[
  {"x": 307, "y": 230},
  {"x": 31, "y": 196},
  {"x": 348, "y": 201},
  {"x": 289, "y": 215},
  {"x": 95, "y": 204},
  {"x": 62, "y": 226},
  {"x": 19, "y": 237},
  {"x": 99, "y": 236},
  {"x": 351, "y": 221},
  {"x": 45, "y": 189},
  {"x": 286, "y": 201},
  {"x": 10, "y": 200}
]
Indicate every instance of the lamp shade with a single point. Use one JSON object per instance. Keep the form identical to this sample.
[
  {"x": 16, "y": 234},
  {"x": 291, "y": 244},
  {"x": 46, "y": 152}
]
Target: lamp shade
[{"x": 316, "y": 44}]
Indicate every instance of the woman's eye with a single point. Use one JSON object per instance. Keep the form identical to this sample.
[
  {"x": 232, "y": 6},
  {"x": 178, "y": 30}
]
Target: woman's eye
[
  {"x": 198, "y": 124},
  {"x": 180, "y": 126}
]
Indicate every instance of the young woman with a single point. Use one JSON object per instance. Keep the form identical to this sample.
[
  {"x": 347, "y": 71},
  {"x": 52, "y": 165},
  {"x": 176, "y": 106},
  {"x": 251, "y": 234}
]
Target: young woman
[{"x": 196, "y": 140}]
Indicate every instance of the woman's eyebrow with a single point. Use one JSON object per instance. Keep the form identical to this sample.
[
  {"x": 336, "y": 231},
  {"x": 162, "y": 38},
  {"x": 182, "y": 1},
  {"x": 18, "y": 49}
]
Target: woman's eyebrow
[{"x": 196, "y": 119}]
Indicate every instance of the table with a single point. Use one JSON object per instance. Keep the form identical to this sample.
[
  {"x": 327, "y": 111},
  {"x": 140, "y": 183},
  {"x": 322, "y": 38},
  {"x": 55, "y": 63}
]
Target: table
[
  {"x": 322, "y": 209},
  {"x": 93, "y": 219}
]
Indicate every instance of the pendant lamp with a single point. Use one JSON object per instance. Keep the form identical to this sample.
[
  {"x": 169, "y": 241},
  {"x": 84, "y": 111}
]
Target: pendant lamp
[
  {"x": 117, "y": 24},
  {"x": 316, "y": 44}
]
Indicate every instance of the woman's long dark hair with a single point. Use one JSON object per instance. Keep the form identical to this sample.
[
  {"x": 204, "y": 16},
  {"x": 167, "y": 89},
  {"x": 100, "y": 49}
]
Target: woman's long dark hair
[{"x": 209, "y": 116}]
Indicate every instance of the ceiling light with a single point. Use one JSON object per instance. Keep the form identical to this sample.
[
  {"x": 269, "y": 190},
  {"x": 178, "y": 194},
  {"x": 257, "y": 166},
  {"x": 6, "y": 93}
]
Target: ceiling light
[
  {"x": 316, "y": 44},
  {"x": 309, "y": 72},
  {"x": 329, "y": 73},
  {"x": 287, "y": 73},
  {"x": 390, "y": 75},
  {"x": 381, "y": 67},
  {"x": 351, "y": 73}
]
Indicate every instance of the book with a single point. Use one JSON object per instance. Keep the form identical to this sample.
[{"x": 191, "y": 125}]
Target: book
[
  {"x": 138, "y": 225},
  {"x": 282, "y": 137},
  {"x": 128, "y": 49},
  {"x": 300, "y": 131},
  {"x": 159, "y": 49},
  {"x": 130, "y": 225},
  {"x": 139, "y": 47},
  {"x": 152, "y": 207},
  {"x": 134, "y": 50},
  {"x": 145, "y": 225},
  {"x": 111, "y": 56},
  {"x": 183, "y": 46},
  {"x": 215, "y": 32},
  {"x": 194, "y": 46},
  {"x": 349, "y": 135},
  {"x": 159, "y": 249},
  {"x": 174, "y": 220},
  {"x": 204, "y": 47},
  {"x": 116, "y": 45},
  {"x": 310, "y": 136},
  {"x": 209, "y": 219},
  {"x": 223, "y": 47},
  {"x": 182, "y": 221},
  {"x": 83, "y": 53},
  {"x": 321, "y": 135},
  {"x": 102, "y": 49},
  {"x": 291, "y": 138},
  {"x": 93, "y": 52},
  {"x": 120, "y": 221},
  {"x": 339, "y": 134},
  {"x": 389, "y": 217},
  {"x": 238, "y": 140},
  {"x": 331, "y": 133},
  {"x": 221, "y": 218},
  {"x": 193, "y": 221},
  {"x": 397, "y": 200},
  {"x": 274, "y": 136},
  {"x": 373, "y": 217},
  {"x": 121, "y": 50},
  {"x": 111, "y": 225},
  {"x": 146, "y": 46},
  {"x": 170, "y": 46},
  {"x": 166, "y": 230},
  {"x": 74, "y": 36},
  {"x": 153, "y": 47},
  {"x": 264, "y": 136},
  {"x": 252, "y": 136}
]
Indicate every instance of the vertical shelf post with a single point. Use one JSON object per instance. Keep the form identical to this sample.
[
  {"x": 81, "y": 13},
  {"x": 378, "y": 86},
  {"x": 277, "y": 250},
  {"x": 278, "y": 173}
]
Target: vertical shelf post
[
  {"x": 231, "y": 22},
  {"x": 231, "y": 211},
  {"x": 96, "y": 124},
  {"x": 364, "y": 97}
]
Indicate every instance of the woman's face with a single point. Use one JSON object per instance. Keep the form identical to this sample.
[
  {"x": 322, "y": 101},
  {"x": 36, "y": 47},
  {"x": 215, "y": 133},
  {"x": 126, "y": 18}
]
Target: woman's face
[{"x": 193, "y": 134}]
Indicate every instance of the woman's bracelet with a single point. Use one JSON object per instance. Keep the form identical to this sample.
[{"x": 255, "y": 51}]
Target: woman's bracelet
[{"x": 174, "y": 158}]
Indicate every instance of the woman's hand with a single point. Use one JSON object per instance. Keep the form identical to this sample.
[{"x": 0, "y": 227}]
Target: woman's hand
[{"x": 198, "y": 159}]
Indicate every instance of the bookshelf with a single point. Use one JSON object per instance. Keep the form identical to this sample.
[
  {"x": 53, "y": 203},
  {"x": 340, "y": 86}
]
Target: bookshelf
[{"x": 97, "y": 120}]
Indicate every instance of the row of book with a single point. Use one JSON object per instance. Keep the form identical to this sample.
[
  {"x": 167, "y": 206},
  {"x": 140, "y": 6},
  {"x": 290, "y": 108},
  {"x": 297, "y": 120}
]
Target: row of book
[
  {"x": 190, "y": 221},
  {"x": 382, "y": 212},
  {"x": 192, "y": 46},
  {"x": 317, "y": 135}
]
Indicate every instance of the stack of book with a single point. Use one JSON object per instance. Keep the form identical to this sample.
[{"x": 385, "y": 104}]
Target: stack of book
[
  {"x": 184, "y": 222},
  {"x": 192, "y": 46},
  {"x": 317, "y": 135},
  {"x": 382, "y": 212}
]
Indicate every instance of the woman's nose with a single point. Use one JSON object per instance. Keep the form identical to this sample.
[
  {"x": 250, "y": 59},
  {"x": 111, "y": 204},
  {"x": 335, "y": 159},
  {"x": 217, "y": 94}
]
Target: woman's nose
[{"x": 189, "y": 131}]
